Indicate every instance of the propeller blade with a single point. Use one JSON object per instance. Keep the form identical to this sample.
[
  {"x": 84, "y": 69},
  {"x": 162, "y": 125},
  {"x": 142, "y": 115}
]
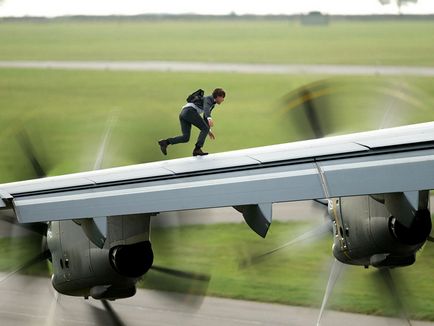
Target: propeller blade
[
  {"x": 37, "y": 259},
  {"x": 37, "y": 227},
  {"x": 96, "y": 228},
  {"x": 29, "y": 151},
  {"x": 50, "y": 320},
  {"x": 183, "y": 288},
  {"x": 311, "y": 113},
  {"x": 325, "y": 107},
  {"x": 37, "y": 171},
  {"x": 308, "y": 109},
  {"x": 335, "y": 272},
  {"x": 111, "y": 122},
  {"x": 182, "y": 274},
  {"x": 388, "y": 280},
  {"x": 114, "y": 317},
  {"x": 106, "y": 316},
  {"x": 23, "y": 245},
  {"x": 313, "y": 233}
]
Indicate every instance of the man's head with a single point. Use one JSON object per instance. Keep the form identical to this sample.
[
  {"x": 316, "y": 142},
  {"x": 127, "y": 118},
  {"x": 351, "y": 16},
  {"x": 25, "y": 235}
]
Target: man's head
[{"x": 219, "y": 95}]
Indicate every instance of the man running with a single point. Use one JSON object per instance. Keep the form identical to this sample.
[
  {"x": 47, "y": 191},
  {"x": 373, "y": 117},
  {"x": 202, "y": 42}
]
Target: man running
[{"x": 191, "y": 115}]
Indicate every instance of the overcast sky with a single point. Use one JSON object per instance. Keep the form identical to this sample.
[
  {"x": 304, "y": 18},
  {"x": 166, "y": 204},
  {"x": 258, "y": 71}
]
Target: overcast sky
[{"x": 52, "y": 8}]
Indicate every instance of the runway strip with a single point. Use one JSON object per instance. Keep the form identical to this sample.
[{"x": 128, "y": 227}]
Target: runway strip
[
  {"x": 241, "y": 68},
  {"x": 32, "y": 301}
]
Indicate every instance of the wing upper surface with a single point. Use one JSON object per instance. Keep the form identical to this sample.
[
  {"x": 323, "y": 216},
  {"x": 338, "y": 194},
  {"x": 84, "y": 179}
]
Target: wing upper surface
[{"x": 383, "y": 161}]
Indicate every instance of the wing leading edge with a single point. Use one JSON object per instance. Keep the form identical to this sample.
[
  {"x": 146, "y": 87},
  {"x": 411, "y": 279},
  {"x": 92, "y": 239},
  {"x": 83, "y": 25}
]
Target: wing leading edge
[{"x": 384, "y": 161}]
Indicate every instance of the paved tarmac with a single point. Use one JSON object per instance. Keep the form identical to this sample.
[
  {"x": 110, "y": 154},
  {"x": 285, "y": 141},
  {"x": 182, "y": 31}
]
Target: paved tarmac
[
  {"x": 31, "y": 301},
  {"x": 241, "y": 68}
]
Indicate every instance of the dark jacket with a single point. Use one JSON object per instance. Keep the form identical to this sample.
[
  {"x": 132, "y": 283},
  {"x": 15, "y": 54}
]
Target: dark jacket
[
  {"x": 205, "y": 107},
  {"x": 208, "y": 105}
]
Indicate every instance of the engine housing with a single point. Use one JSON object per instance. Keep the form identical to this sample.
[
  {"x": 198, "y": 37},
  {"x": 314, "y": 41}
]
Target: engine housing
[{"x": 366, "y": 234}]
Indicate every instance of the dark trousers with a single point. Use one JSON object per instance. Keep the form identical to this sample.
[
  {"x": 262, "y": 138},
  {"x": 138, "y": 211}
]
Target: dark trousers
[{"x": 188, "y": 117}]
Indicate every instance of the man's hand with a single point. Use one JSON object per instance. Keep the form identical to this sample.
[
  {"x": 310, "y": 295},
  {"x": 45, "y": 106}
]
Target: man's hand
[
  {"x": 210, "y": 123},
  {"x": 211, "y": 135}
]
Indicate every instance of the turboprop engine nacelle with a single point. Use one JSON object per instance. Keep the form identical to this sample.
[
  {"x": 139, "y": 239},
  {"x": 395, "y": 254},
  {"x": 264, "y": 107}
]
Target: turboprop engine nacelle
[
  {"x": 366, "y": 233},
  {"x": 80, "y": 268}
]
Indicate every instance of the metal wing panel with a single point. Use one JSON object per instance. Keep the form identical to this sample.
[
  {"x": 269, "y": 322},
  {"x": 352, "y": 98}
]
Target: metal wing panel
[
  {"x": 408, "y": 171},
  {"x": 338, "y": 167},
  {"x": 213, "y": 162},
  {"x": 377, "y": 174},
  {"x": 307, "y": 151},
  {"x": 46, "y": 184},
  {"x": 412, "y": 134},
  {"x": 88, "y": 179},
  {"x": 126, "y": 175},
  {"x": 297, "y": 182},
  {"x": 397, "y": 140}
]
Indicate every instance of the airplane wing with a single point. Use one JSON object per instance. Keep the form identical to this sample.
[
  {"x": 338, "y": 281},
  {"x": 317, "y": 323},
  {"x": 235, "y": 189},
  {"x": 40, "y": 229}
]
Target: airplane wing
[{"x": 383, "y": 161}]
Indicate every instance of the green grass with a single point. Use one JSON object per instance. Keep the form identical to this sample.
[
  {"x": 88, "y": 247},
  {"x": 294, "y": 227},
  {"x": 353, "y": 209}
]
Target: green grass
[
  {"x": 296, "y": 275},
  {"x": 65, "y": 113},
  {"x": 385, "y": 43}
]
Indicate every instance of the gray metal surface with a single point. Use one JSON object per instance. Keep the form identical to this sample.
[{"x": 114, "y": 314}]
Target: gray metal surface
[
  {"x": 213, "y": 162},
  {"x": 279, "y": 173},
  {"x": 392, "y": 137},
  {"x": 306, "y": 151},
  {"x": 357, "y": 142},
  {"x": 130, "y": 174},
  {"x": 298, "y": 182},
  {"x": 47, "y": 183},
  {"x": 399, "y": 172}
]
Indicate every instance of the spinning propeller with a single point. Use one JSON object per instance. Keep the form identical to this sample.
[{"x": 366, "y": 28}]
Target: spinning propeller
[
  {"x": 320, "y": 109},
  {"x": 194, "y": 285},
  {"x": 325, "y": 107},
  {"x": 33, "y": 241}
]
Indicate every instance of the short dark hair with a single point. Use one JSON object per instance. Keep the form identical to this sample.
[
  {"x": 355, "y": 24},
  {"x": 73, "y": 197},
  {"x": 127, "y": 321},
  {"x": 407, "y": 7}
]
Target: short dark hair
[{"x": 218, "y": 92}]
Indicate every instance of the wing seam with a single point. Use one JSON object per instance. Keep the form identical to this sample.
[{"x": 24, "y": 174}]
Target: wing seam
[{"x": 323, "y": 181}]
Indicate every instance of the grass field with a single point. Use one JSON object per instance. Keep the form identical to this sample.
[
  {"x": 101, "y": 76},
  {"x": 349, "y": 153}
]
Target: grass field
[
  {"x": 296, "y": 275},
  {"x": 65, "y": 114},
  {"x": 373, "y": 43}
]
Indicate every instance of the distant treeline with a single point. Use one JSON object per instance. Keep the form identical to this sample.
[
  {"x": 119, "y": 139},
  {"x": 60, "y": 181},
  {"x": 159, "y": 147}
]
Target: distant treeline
[{"x": 182, "y": 17}]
